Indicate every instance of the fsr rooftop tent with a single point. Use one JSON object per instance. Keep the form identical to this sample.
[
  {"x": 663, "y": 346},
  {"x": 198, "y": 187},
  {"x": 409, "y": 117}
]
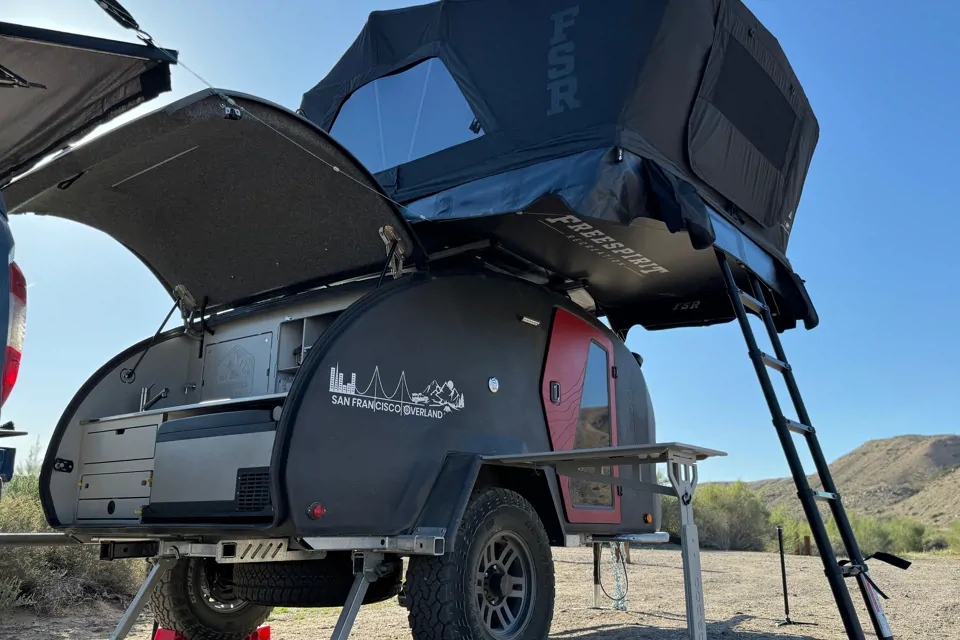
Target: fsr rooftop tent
[{"x": 637, "y": 117}]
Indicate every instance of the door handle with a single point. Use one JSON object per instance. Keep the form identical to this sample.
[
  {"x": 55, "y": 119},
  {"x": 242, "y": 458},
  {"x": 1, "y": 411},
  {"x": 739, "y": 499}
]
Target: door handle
[{"x": 554, "y": 392}]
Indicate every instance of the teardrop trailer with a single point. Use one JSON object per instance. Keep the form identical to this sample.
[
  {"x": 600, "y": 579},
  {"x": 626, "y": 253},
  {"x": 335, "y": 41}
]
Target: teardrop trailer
[{"x": 392, "y": 342}]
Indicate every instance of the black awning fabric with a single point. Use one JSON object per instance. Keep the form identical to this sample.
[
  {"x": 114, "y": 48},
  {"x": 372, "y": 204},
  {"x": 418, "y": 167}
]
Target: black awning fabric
[
  {"x": 698, "y": 87},
  {"x": 56, "y": 87}
]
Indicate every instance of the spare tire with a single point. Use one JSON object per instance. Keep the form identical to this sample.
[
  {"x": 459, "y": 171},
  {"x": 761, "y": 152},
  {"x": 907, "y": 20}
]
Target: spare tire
[
  {"x": 311, "y": 583},
  {"x": 194, "y": 599}
]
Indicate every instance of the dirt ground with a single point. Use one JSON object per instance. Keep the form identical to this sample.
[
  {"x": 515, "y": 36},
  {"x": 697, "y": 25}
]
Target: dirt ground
[{"x": 741, "y": 590}]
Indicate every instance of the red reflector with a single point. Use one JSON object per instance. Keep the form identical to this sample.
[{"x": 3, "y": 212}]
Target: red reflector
[
  {"x": 18, "y": 284},
  {"x": 16, "y": 328},
  {"x": 316, "y": 511},
  {"x": 11, "y": 368}
]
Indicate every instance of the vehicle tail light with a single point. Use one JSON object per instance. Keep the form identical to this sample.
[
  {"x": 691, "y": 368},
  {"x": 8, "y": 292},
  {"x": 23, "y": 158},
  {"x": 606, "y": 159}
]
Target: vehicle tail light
[{"x": 16, "y": 329}]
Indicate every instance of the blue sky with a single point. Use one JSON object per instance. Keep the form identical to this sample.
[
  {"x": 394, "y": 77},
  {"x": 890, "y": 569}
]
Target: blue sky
[{"x": 873, "y": 237}]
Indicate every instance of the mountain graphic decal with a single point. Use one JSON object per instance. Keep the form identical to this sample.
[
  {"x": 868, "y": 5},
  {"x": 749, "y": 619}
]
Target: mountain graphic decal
[{"x": 444, "y": 395}]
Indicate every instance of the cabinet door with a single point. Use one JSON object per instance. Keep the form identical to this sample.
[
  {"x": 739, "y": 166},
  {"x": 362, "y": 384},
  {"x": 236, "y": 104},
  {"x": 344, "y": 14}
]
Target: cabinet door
[{"x": 578, "y": 399}]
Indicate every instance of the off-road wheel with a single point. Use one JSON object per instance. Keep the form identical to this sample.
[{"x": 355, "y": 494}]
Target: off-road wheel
[
  {"x": 498, "y": 584},
  {"x": 196, "y": 600},
  {"x": 312, "y": 583}
]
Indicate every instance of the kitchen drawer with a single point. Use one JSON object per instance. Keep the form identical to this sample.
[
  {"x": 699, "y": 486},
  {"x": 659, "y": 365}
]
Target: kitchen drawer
[
  {"x": 119, "y": 509},
  {"x": 119, "y": 444},
  {"x": 115, "y": 485}
]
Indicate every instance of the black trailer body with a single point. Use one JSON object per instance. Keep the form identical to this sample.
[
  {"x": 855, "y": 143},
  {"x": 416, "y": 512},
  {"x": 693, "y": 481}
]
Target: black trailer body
[{"x": 454, "y": 364}]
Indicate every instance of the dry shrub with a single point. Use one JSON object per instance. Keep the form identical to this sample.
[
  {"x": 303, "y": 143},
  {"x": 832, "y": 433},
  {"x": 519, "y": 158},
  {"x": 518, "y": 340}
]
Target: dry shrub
[
  {"x": 729, "y": 517},
  {"x": 51, "y": 579},
  {"x": 953, "y": 537},
  {"x": 906, "y": 535}
]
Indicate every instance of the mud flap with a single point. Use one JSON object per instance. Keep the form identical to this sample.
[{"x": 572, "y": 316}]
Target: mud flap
[{"x": 448, "y": 497}]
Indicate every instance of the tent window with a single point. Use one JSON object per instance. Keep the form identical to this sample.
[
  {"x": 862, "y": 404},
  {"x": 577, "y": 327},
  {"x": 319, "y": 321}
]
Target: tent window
[
  {"x": 405, "y": 116},
  {"x": 751, "y": 100},
  {"x": 593, "y": 428}
]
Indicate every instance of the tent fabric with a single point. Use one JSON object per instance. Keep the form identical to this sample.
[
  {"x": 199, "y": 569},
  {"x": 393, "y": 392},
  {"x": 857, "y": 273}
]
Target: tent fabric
[
  {"x": 592, "y": 184},
  {"x": 56, "y": 87},
  {"x": 698, "y": 89}
]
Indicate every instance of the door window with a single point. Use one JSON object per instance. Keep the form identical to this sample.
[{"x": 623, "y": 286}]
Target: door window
[{"x": 594, "y": 429}]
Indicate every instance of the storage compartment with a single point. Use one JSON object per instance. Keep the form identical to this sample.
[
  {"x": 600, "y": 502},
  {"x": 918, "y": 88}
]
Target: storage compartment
[
  {"x": 115, "y": 485},
  {"x": 213, "y": 468},
  {"x": 110, "y": 509},
  {"x": 296, "y": 339},
  {"x": 119, "y": 444},
  {"x": 237, "y": 368}
]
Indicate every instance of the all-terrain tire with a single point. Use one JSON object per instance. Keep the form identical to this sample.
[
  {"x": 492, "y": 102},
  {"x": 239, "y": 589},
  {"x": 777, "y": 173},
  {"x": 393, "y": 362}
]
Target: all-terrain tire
[
  {"x": 181, "y": 604},
  {"x": 443, "y": 593},
  {"x": 312, "y": 583}
]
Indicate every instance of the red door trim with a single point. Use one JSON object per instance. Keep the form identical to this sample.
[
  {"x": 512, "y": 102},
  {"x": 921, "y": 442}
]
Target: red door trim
[{"x": 566, "y": 363}]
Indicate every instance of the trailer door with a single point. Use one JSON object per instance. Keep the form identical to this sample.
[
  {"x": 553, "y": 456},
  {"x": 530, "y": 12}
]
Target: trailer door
[{"x": 578, "y": 398}]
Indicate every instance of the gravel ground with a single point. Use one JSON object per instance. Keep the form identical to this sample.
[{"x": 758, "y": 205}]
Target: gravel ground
[{"x": 741, "y": 590}]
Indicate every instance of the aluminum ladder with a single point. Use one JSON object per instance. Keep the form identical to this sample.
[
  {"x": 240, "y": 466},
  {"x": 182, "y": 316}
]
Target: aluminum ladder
[{"x": 745, "y": 303}]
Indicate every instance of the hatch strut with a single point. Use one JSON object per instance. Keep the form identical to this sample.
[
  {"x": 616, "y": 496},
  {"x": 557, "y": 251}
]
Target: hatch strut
[
  {"x": 181, "y": 298},
  {"x": 753, "y": 302}
]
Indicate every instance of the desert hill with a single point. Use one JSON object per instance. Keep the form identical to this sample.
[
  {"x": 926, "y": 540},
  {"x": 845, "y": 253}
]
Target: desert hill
[{"x": 916, "y": 476}]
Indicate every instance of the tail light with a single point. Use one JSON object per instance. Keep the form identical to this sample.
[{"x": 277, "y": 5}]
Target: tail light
[{"x": 16, "y": 329}]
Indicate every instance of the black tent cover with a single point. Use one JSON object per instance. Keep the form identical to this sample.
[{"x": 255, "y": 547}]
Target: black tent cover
[{"x": 669, "y": 110}]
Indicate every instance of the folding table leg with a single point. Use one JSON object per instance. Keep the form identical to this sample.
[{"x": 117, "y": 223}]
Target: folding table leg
[{"x": 683, "y": 477}]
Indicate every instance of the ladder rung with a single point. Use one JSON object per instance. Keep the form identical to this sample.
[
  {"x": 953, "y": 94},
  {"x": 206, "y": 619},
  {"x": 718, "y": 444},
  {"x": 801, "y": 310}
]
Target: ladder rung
[
  {"x": 797, "y": 427},
  {"x": 752, "y": 303},
  {"x": 824, "y": 495},
  {"x": 773, "y": 363}
]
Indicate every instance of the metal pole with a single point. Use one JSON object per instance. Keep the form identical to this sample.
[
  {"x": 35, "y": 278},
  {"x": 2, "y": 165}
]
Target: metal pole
[
  {"x": 140, "y": 600},
  {"x": 368, "y": 573},
  {"x": 596, "y": 574},
  {"x": 36, "y": 540},
  {"x": 783, "y": 574}
]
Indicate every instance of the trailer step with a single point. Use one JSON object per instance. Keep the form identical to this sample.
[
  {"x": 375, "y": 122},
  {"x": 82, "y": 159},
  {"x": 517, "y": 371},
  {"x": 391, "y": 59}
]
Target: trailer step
[
  {"x": 752, "y": 303},
  {"x": 825, "y": 496},
  {"x": 796, "y": 427},
  {"x": 774, "y": 363}
]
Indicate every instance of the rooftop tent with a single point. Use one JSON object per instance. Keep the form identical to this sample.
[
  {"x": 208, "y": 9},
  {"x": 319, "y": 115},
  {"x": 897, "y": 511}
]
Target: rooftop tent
[{"x": 653, "y": 128}]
